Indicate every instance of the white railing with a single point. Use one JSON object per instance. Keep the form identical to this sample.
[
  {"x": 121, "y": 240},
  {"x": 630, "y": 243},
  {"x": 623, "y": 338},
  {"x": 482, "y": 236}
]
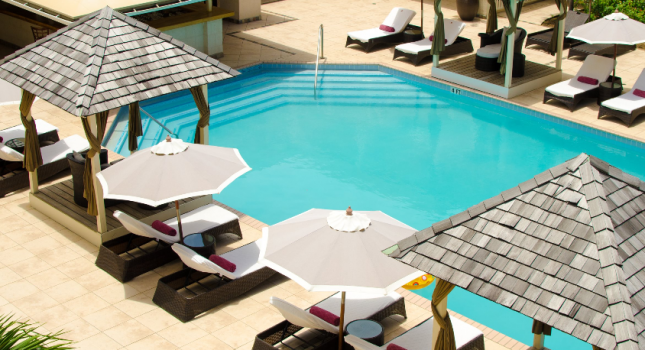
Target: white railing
[{"x": 319, "y": 54}]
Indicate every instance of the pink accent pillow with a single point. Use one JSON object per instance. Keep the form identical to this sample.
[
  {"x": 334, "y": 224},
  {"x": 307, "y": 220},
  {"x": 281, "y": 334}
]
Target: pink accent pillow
[
  {"x": 325, "y": 315},
  {"x": 588, "y": 80},
  {"x": 1, "y": 139},
  {"x": 163, "y": 228},
  {"x": 395, "y": 347},
  {"x": 432, "y": 38},
  {"x": 386, "y": 28},
  {"x": 639, "y": 93},
  {"x": 223, "y": 263}
]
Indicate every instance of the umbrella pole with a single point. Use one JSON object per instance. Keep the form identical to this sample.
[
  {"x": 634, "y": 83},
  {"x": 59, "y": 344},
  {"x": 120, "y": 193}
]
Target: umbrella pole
[
  {"x": 421, "y": 17},
  {"x": 181, "y": 232},
  {"x": 613, "y": 77},
  {"x": 341, "y": 325}
]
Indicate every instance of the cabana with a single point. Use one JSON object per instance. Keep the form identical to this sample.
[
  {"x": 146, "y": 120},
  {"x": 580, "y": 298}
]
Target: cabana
[
  {"x": 501, "y": 83},
  {"x": 101, "y": 62},
  {"x": 564, "y": 248}
]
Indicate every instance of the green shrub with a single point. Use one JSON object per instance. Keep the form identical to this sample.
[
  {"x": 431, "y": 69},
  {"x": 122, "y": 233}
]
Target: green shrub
[
  {"x": 635, "y": 9},
  {"x": 17, "y": 335}
]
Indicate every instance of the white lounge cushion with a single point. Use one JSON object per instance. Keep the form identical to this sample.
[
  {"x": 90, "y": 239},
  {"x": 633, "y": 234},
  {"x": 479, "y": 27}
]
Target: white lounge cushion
[
  {"x": 18, "y": 131},
  {"x": 596, "y": 67},
  {"x": 9, "y": 154},
  {"x": 452, "y": 30},
  {"x": 628, "y": 102},
  {"x": 202, "y": 218},
  {"x": 194, "y": 221},
  {"x": 357, "y": 306},
  {"x": 399, "y": 18},
  {"x": 245, "y": 259},
  {"x": 420, "y": 337},
  {"x": 489, "y": 51},
  {"x": 59, "y": 150}
]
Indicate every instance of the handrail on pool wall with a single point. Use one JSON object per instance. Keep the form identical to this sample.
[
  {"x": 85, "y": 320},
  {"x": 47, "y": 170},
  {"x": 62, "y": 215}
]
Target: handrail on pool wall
[
  {"x": 319, "y": 53},
  {"x": 158, "y": 122}
]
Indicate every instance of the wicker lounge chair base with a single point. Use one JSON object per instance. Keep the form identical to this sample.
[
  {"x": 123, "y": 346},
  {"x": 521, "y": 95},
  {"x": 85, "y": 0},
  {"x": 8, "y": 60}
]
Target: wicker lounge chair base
[
  {"x": 543, "y": 37},
  {"x": 627, "y": 118},
  {"x": 270, "y": 338},
  {"x": 114, "y": 259},
  {"x": 572, "y": 102},
  {"x": 369, "y": 45},
  {"x": 490, "y": 64},
  {"x": 461, "y": 45},
  {"x": 19, "y": 179},
  {"x": 196, "y": 300},
  {"x": 585, "y": 50}
]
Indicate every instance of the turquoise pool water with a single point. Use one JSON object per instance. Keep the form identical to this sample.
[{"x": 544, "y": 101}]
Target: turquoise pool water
[{"x": 377, "y": 142}]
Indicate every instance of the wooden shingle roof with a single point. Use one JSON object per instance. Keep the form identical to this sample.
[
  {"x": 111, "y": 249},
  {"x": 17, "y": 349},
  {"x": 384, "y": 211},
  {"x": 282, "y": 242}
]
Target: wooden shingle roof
[
  {"x": 565, "y": 248},
  {"x": 107, "y": 60}
]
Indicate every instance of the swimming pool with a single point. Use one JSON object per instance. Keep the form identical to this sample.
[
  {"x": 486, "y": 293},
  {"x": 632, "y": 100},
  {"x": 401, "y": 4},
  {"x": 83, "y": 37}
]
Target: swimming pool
[{"x": 378, "y": 140}]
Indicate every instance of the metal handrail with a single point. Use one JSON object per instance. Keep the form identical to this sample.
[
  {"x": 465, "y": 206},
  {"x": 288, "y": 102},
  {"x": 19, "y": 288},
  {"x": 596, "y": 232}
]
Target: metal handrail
[
  {"x": 319, "y": 53},
  {"x": 158, "y": 122}
]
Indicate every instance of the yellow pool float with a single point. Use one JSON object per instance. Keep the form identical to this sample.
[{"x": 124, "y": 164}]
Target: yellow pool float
[{"x": 420, "y": 282}]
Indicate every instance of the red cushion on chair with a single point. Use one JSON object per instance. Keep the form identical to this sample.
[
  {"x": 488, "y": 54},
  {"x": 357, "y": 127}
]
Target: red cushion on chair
[
  {"x": 163, "y": 228},
  {"x": 386, "y": 28},
  {"x": 639, "y": 93},
  {"x": 395, "y": 347},
  {"x": 1, "y": 139},
  {"x": 432, "y": 38},
  {"x": 223, "y": 263},
  {"x": 588, "y": 80},
  {"x": 325, "y": 315}
]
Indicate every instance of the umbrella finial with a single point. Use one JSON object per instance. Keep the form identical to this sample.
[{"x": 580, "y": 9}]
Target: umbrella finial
[
  {"x": 349, "y": 211},
  {"x": 168, "y": 139}
]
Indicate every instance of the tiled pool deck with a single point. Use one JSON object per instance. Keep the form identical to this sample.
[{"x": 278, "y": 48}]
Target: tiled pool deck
[{"x": 47, "y": 273}]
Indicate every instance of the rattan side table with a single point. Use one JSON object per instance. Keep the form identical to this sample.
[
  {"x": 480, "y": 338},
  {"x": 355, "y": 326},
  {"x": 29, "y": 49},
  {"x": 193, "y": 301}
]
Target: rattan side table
[{"x": 202, "y": 243}]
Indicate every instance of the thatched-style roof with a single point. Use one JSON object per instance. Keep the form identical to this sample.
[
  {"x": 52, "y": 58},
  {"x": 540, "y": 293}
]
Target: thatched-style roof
[
  {"x": 565, "y": 248},
  {"x": 107, "y": 60}
]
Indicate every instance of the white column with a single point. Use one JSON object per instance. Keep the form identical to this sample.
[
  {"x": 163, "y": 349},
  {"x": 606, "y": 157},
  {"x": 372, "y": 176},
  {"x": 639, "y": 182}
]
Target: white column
[
  {"x": 33, "y": 175},
  {"x": 204, "y": 131},
  {"x": 510, "y": 51},
  {"x": 101, "y": 220},
  {"x": 442, "y": 308},
  {"x": 209, "y": 5},
  {"x": 538, "y": 341},
  {"x": 435, "y": 58},
  {"x": 558, "y": 55}
]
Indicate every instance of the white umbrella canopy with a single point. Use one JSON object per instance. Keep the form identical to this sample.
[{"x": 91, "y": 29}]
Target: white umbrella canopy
[
  {"x": 170, "y": 171},
  {"x": 615, "y": 28},
  {"x": 328, "y": 250}
]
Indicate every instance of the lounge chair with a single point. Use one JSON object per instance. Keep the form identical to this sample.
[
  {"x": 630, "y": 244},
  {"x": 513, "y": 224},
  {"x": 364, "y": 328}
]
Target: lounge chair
[
  {"x": 628, "y": 106},
  {"x": 572, "y": 91},
  {"x": 357, "y": 306},
  {"x": 455, "y": 44},
  {"x": 398, "y": 20},
  {"x": 46, "y": 132},
  {"x": 129, "y": 256},
  {"x": 543, "y": 37},
  {"x": 467, "y": 337},
  {"x": 205, "y": 285},
  {"x": 489, "y": 50},
  {"x": 15, "y": 177},
  {"x": 607, "y": 50}
]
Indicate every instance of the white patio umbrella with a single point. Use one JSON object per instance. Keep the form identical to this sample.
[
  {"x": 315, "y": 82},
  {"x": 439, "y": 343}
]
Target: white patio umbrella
[
  {"x": 615, "y": 29},
  {"x": 328, "y": 250},
  {"x": 170, "y": 171}
]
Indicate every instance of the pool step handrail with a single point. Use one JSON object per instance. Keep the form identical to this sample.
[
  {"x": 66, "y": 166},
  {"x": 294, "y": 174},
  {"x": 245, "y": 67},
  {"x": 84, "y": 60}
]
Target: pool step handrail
[
  {"x": 319, "y": 53},
  {"x": 158, "y": 122}
]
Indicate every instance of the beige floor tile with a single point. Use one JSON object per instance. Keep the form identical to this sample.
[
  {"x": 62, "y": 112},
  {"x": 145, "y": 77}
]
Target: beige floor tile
[
  {"x": 55, "y": 317},
  {"x": 145, "y": 282},
  {"x": 48, "y": 226},
  {"x": 18, "y": 290},
  {"x": 86, "y": 304},
  {"x": 263, "y": 319},
  {"x": 236, "y": 334},
  {"x": 76, "y": 268},
  {"x": 242, "y": 307},
  {"x": 154, "y": 341},
  {"x": 35, "y": 303},
  {"x": 136, "y": 305},
  {"x": 79, "y": 330},
  {"x": 107, "y": 318},
  {"x": 15, "y": 255},
  {"x": 98, "y": 342},
  {"x": 208, "y": 342},
  {"x": 48, "y": 278},
  {"x": 116, "y": 292},
  {"x": 181, "y": 334},
  {"x": 12, "y": 223},
  {"x": 129, "y": 332},
  {"x": 157, "y": 319},
  {"x": 214, "y": 320},
  {"x": 6, "y": 243},
  {"x": 8, "y": 276},
  {"x": 95, "y": 280},
  {"x": 59, "y": 256},
  {"x": 66, "y": 291},
  {"x": 30, "y": 267}
]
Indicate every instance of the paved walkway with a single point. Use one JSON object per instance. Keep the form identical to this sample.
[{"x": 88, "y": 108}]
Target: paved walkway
[{"x": 47, "y": 273}]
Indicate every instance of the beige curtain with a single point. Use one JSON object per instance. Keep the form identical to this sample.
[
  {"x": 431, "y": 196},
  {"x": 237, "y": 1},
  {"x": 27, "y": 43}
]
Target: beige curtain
[
  {"x": 553, "y": 45},
  {"x": 33, "y": 159},
  {"x": 204, "y": 112},
  {"x": 512, "y": 20},
  {"x": 134, "y": 126},
  {"x": 446, "y": 339},
  {"x": 95, "y": 147},
  {"x": 541, "y": 328},
  {"x": 491, "y": 21},
  {"x": 438, "y": 42},
  {"x": 593, "y": 347}
]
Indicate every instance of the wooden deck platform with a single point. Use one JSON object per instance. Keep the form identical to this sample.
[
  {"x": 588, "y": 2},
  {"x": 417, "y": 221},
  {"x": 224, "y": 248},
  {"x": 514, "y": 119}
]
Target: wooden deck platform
[
  {"x": 56, "y": 200},
  {"x": 463, "y": 72}
]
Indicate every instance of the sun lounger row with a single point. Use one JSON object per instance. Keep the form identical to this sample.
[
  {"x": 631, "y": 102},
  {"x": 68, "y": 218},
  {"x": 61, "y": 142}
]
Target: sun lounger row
[{"x": 418, "y": 50}]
